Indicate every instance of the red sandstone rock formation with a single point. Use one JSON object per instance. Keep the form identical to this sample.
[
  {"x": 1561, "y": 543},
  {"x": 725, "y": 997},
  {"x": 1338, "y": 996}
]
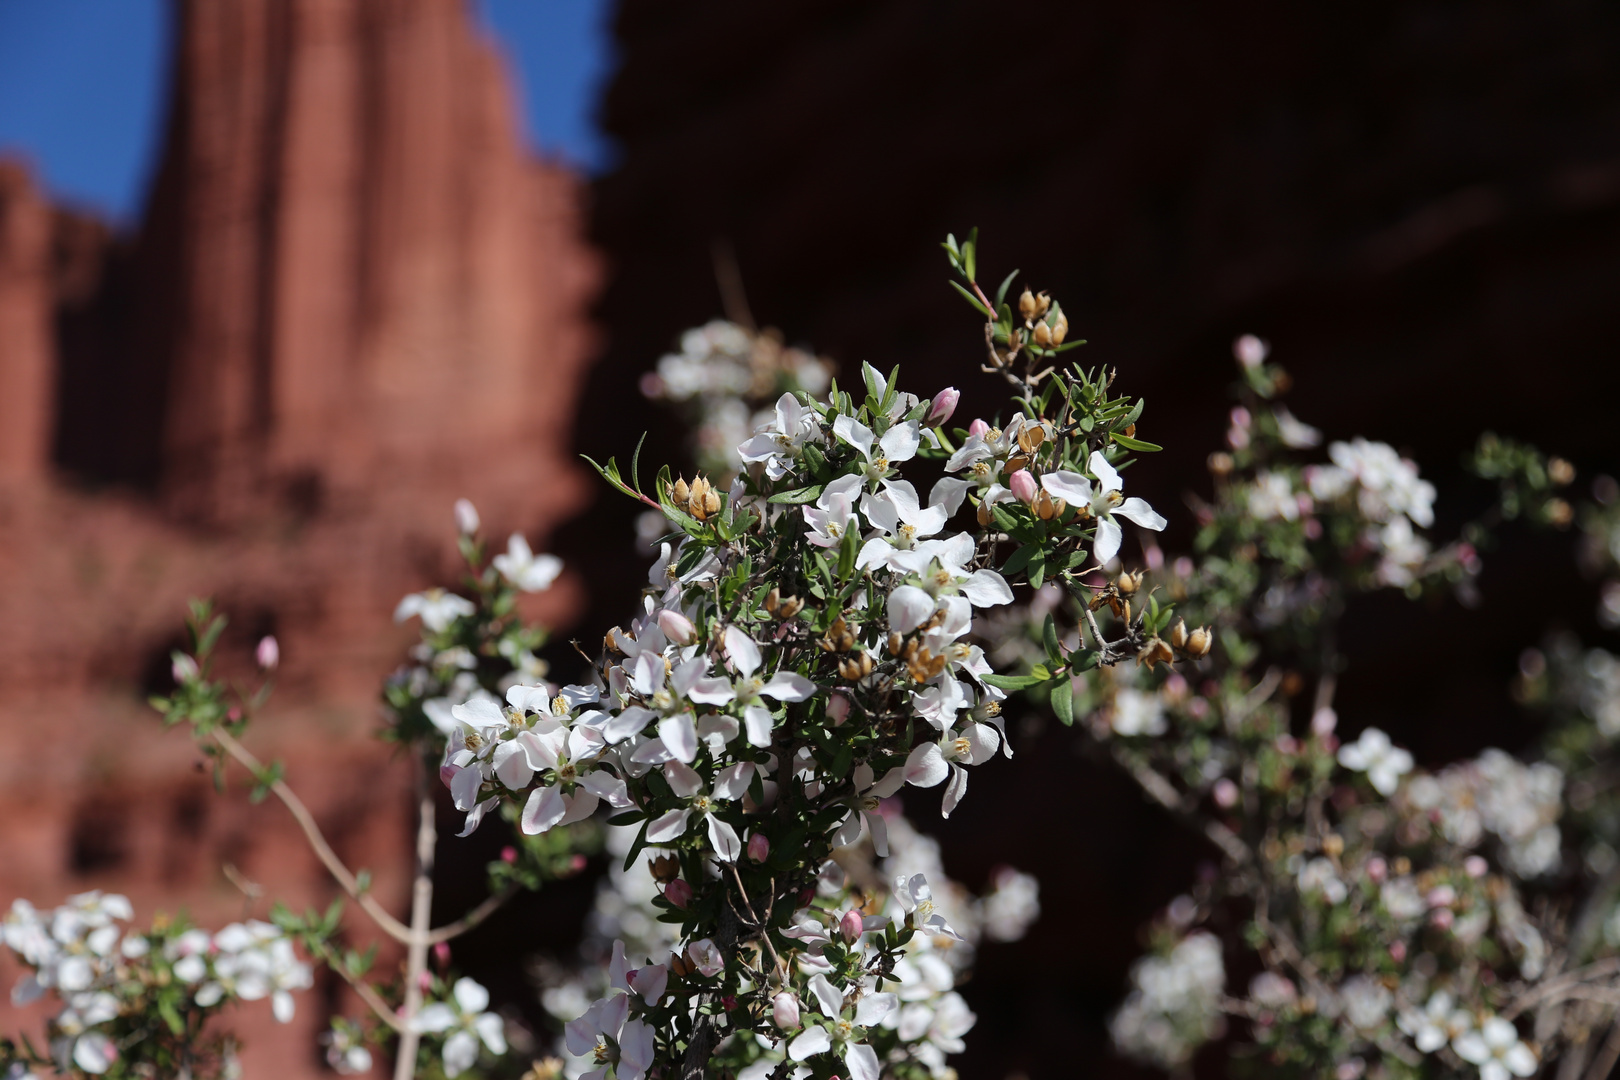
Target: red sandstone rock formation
[{"x": 355, "y": 297}]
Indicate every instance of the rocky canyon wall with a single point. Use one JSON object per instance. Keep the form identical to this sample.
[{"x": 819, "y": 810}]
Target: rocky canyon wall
[{"x": 354, "y": 297}]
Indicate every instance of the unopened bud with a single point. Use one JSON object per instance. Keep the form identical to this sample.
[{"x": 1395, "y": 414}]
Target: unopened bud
[
  {"x": 1377, "y": 868},
  {"x": 1220, "y": 463},
  {"x": 1060, "y": 329},
  {"x": 1560, "y": 471},
  {"x": 183, "y": 668},
  {"x": 680, "y": 965},
  {"x": 508, "y": 854},
  {"x": 785, "y": 1011},
  {"x": 677, "y": 627},
  {"x": 1027, "y": 306},
  {"x": 944, "y": 406},
  {"x": 1043, "y": 335},
  {"x": 1559, "y": 514},
  {"x": 665, "y": 868},
  {"x": 1127, "y": 583},
  {"x": 1250, "y": 351},
  {"x": 466, "y": 517},
  {"x": 979, "y": 428},
  {"x": 985, "y": 514},
  {"x": 837, "y": 709},
  {"x": 679, "y": 491},
  {"x": 1023, "y": 486},
  {"x": 1333, "y": 845},
  {"x": 441, "y": 953},
  {"x": 1178, "y": 634},
  {"x": 759, "y": 848},
  {"x": 1225, "y": 793},
  {"x": 1199, "y": 641},
  {"x": 849, "y": 924},
  {"x": 678, "y": 892},
  {"x": 268, "y": 653}
]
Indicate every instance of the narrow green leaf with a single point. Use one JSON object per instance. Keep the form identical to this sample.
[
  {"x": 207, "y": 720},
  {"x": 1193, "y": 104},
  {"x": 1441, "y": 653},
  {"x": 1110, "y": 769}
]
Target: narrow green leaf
[
  {"x": 798, "y": 495},
  {"x": 1006, "y": 282},
  {"x": 1013, "y": 682},
  {"x": 1136, "y": 444},
  {"x": 1050, "y": 640},
  {"x": 974, "y": 300},
  {"x": 1063, "y": 700}
]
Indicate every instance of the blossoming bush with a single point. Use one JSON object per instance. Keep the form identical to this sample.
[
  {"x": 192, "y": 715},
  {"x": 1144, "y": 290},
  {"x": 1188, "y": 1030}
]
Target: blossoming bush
[{"x": 822, "y": 628}]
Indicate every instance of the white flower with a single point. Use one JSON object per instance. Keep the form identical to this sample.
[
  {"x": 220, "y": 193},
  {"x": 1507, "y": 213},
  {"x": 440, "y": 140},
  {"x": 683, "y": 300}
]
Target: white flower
[
  {"x": 830, "y": 519},
  {"x": 929, "y": 764},
  {"x": 1294, "y": 432},
  {"x": 1382, "y": 761},
  {"x": 1319, "y": 876},
  {"x": 898, "y": 444},
  {"x": 1272, "y": 497},
  {"x": 1138, "y": 713},
  {"x": 1497, "y": 1049},
  {"x": 523, "y": 568},
  {"x": 607, "y": 1019},
  {"x": 917, "y": 900},
  {"x": 900, "y": 521},
  {"x": 1104, "y": 502},
  {"x": 344, "y": 1054},
  {"x": 437, "y": 608},
  {"x": 1436, "y": 1024},
  {"x": 468, "y": 1021},
  {"x": 779, "y": 444}
]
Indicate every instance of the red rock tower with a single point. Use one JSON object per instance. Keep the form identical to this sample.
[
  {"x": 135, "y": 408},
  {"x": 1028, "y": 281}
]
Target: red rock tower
[{"x": 355, "y": 297}]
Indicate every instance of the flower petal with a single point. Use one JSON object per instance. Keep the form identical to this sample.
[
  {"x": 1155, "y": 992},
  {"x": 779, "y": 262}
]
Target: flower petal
[
  {"x": 1139, "y": 511},
  {"x": 543, "y": 810},
  {"x": 742, "y": 651}
]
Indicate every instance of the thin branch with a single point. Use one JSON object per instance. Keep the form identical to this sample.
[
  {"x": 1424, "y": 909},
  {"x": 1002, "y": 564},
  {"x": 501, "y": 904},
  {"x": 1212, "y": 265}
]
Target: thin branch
[
  {"x": 421, "y": 914},
  {"x": 312, "y": 832},
  {"x": 470, "y": 920},
  {"x": 1603, "y": 1064},
  {"x": 384, "y": 1013},
  {"x": 1164, "y": 792},
  {"x": 1554, "y": 988}
]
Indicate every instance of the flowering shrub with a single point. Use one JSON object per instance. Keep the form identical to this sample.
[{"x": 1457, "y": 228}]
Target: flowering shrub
[
  {"x": 135, "y": 1002},
  {"x": 822, "y": 628}
]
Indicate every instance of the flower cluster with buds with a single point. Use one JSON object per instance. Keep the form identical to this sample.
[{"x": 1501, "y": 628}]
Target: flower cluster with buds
[{"x": 136, "y": 1003}]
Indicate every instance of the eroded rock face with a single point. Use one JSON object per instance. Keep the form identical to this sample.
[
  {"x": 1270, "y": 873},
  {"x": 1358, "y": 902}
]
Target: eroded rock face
[{"x": 354, "y": 298}]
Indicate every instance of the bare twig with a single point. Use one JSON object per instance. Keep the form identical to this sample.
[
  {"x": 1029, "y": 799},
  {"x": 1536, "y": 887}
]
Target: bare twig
[
  {"x": 1555, "y": 988},
  {"x": 490, "y": 906},
  {"x": 362, "y": 988},
  {"x": 1164, "y": 792},
  {"x": 421, "y": 913},
  {"x": 312, "y": 832}
]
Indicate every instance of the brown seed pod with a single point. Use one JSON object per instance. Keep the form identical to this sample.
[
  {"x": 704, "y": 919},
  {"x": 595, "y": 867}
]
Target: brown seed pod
[{"x": 1199, "y": 641}]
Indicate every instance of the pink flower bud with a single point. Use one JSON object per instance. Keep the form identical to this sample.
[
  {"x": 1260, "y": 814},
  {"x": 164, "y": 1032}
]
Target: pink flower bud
[
  {"x": 1442, "y": 918},
  {"x": 1022, "y": 485},
  {"x": 1250, "y": 351},
  {"x": 1323, "y": 721},
  {"x": 576, "y": 863},
  {"x": 785, "y": 1011},
  {"x": 849, "y": 924},
  {"x": 508, "y": 854},
  {"x": 729, "y": 1001},
  {"x": 441, "y": 953},
  {"x": 1226, "y": 793},
  {"x": 1475, "y": 866},
  {"x": 677, "y": 627},
  {"x": 1377, "y": 868},
  {"x": 268, "y": 653},
  {"x": 944, "y": 405},
  {"x": 425, "y": 981},
  {"x": 678, "y": 892},
  {"x": 837, "y": 709},
  {"x": 979, "y": 427},
  {"x": 183, "y": 668},
  {"x": 758, "y": 847},
  {"x": 1441, "y": 896},
  {"x": 1397, "y": 951},
  {"x": 466, "y": 517}
]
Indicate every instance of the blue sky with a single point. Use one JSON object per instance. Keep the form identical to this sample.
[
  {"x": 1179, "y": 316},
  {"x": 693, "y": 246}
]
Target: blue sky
[{"x": 83, "y": 84}]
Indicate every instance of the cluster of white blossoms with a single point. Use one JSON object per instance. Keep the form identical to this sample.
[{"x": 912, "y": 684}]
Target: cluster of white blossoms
[
  {"x": 1499, "y": 795},
  {"x": 723, "y": 369},
  {"x": 102, "y": 972},
  {"x": 1387, "y": 490},
  {"x": 931, "y": 1017},
  {"x": 1174, "y": 1005}
]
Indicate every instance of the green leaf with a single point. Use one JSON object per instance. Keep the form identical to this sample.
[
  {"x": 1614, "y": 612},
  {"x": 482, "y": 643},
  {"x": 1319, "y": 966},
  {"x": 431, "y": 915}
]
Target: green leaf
[
  {"x": 1019, "y": 559},
  {"x": 847, "y": 551},
  {"x": 1063, "y": 700},
  {"x": 1006, "y": 283},
  {"x": 1136, "y": 444},
  {"x": 807, "y": 494},
  {"x": 974, "y": 300},
  {"x": 1050, "y": 640},
  {"x": 1013, "y": 682},
  {"x": 1037, "y": 574},
  {"x": 171, "y": 1016}
]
